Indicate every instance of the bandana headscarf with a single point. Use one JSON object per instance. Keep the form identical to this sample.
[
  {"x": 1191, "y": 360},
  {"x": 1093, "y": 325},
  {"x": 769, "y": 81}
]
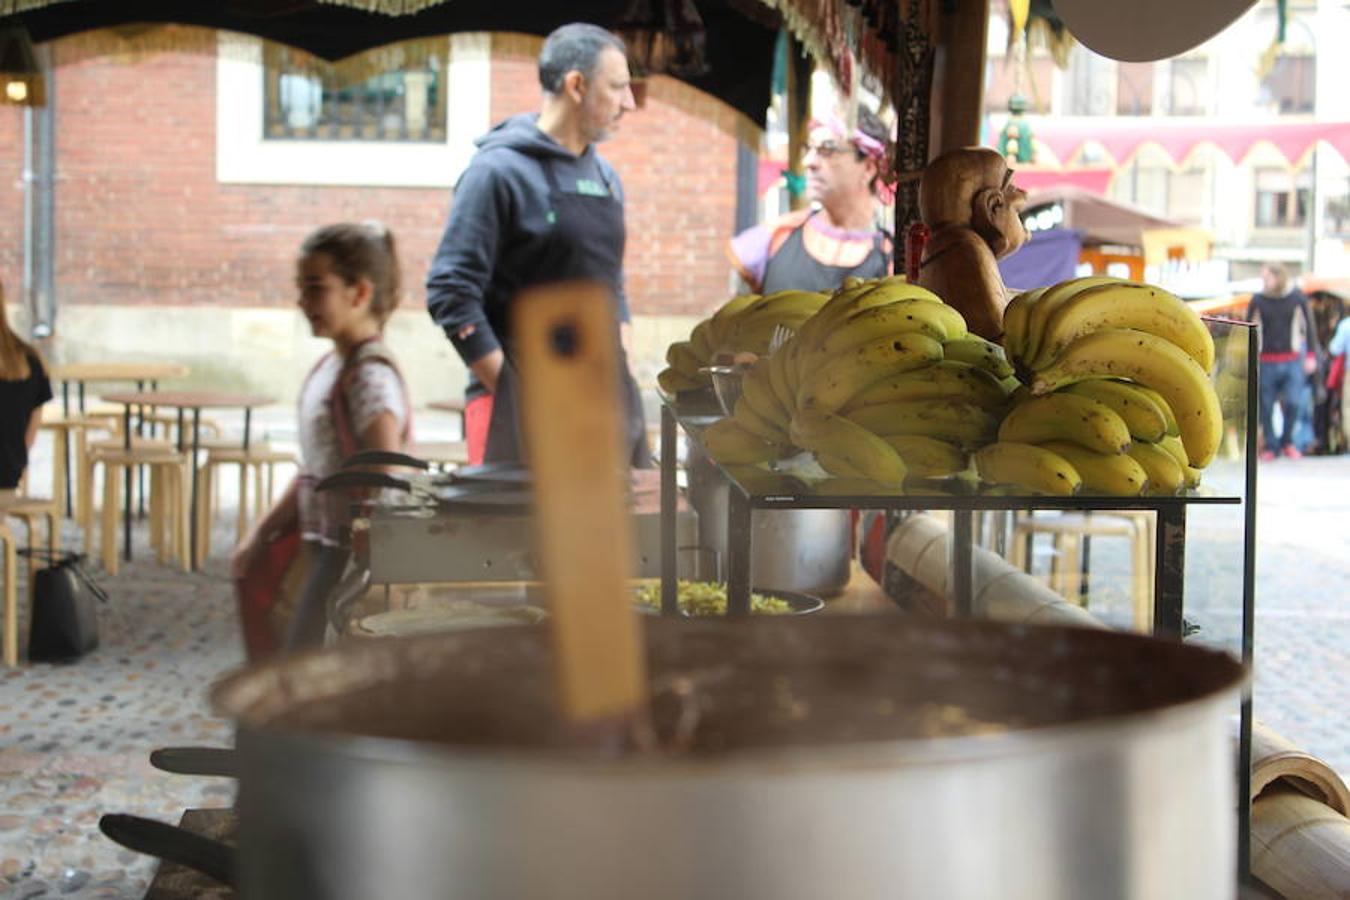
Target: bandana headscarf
[{"x": 868, "y": 146}]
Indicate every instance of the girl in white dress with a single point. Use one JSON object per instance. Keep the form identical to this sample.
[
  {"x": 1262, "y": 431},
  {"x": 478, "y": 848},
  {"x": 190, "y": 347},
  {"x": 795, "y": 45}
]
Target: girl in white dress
[{"x": 354, "y": 399}]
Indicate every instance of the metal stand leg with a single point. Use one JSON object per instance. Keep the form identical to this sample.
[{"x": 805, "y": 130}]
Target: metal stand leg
[
  {"x": 962, "y": 559},
  {"x": 140, "y": 470},
  {"x": 669, "y": 585},
  {"x": 1170, "y": 576},
  {"x": 1248, "y": 622},
  {"x": 126, "y": 503},
  {"x": 738, "y": 552},
  {"x": 192, "y": 505}
]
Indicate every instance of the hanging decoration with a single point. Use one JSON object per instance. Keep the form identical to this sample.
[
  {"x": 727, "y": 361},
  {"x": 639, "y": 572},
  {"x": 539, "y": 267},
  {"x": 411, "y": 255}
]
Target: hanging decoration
[{"x": 664, "y": 37}]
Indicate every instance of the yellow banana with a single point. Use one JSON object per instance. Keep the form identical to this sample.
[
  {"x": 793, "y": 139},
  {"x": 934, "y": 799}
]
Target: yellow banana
[
  {"x": 1054, "y": 297},
  {"x": 1149, "y": 360},
  {"x": 831, "y": 385},
  {"x": 758, "y": 392},
  {"x": 1190, "y": 476},
  {"x": 1112, "y": 474},
  {"x": 837, "y": 437},
  {"x": 700, "y": 340},
  {"x": 1015, "y": 322},
  {"x": 682, "y": 358},
  {"x": 927, "y": 457},
  {"x": 1165, "y": 476},
  {"x": 1164, "y": 407},
  {"x": 749, "y": 418},
  {"x": 947, "y": 420},
  {"x": 837, "y": 467},
  {"x": 932, "y": 319},
  {"x": 1066, "y": 417},
  {"x": 673, "y": 381},
  {"x": 1142, "y": 416},
  {"x": 976, "y": 351},
  {"x": 754, "y": 334},
  {"x": 1029, "y": 467},
  {"x": 954, "y": 380},
  {"x": 717, "y": 325},
  {"x": 1127, "y": 305},
  {"x": 846, "y": 303},
  {"x": 728, "y": 442},
  {"x": 778, "y": 377}
]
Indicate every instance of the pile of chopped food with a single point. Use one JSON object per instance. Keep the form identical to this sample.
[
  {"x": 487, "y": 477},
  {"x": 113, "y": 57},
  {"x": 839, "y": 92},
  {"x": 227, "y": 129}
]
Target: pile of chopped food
[{"x": 706, "y": 598}]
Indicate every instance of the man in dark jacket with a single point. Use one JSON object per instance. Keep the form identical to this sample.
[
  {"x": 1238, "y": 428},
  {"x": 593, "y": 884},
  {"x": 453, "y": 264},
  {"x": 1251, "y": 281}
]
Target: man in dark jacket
[
  {"x": 1288, "y": 357},
  {"x": 536, "y": 204}
]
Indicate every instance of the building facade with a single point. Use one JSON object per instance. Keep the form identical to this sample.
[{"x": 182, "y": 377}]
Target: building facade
[{"x": 185, "y": 181}]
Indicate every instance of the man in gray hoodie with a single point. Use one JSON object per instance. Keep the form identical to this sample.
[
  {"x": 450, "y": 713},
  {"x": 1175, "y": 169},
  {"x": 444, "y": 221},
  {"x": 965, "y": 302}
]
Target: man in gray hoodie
[{"x": 536, "y": 204}]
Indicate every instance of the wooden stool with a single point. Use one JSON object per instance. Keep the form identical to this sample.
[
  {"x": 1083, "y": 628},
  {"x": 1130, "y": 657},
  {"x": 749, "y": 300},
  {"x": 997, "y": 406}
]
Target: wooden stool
[
  {"x": 68, "y": 432},
  {"x": 260, "y": 460},
  {"x": 1067, "y": 530},
  {"x": 168, "y": 502},
  {"x": 88, "y": 456},
  {"x": 29, "y": 509}
]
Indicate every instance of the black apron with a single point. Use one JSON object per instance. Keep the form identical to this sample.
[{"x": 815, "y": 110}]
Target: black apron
[
  {"x": 793, "y": 268},
  {"x": 587, "y": 242}
]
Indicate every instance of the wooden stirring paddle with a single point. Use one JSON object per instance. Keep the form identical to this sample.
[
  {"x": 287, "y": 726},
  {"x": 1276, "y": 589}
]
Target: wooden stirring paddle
[{"x": 570, "y": 410}]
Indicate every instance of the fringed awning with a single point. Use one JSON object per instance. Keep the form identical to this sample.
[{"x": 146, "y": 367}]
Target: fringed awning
[
  {"x": 136, "y": 43},
  {"x": 1123, "y": 138},
  {"x": 385, "y": 7},
  {"x": 841, "y": 36}
]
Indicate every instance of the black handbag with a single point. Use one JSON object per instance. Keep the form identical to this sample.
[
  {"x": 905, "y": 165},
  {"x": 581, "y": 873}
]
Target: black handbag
[{"x": 65, "y": 612}]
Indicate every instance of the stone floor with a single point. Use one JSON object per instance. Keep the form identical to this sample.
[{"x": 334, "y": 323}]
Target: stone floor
[{"x": 74, "y": 739}]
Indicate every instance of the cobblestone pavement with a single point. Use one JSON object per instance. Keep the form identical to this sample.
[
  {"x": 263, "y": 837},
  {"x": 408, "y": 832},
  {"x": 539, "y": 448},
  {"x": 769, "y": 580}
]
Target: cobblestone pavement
[
  {"x": 74, "y": 739},
  {"x": 1302, "y": 639}
]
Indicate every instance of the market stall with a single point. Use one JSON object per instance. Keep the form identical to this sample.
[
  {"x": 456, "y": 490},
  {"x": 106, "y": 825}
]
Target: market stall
[{"x": 940, "y": 788}]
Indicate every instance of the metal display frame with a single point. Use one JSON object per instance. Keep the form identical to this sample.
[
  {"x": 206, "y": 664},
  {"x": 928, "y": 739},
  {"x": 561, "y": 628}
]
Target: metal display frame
[{"x": 1169, "y": 545}]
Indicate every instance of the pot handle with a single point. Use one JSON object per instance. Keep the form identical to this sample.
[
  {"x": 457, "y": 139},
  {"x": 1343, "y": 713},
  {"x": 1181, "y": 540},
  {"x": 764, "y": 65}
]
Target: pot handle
[
  {"x": 172, "y": 843},
  {"x": 363, "y": 480},
  {"x": 384, "y": 458},
  {"x": 196, "y": 761}
]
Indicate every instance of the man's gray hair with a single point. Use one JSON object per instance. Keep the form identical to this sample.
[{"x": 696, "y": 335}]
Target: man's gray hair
[{"x": 575, "y": 47}]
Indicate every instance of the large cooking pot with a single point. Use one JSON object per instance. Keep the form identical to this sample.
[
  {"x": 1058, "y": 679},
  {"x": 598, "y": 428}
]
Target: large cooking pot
[
  {"x": 802, "y": 550},
  {"x": 806, "y": 757}
]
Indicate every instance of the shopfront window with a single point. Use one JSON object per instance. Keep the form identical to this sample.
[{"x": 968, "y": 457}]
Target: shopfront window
[
  {"x": 1282, "y": 198},
  {"x": 407, "y": 105},
  {"x": 1134, "y": 89},
  {"x": 1189, "y": 87}
]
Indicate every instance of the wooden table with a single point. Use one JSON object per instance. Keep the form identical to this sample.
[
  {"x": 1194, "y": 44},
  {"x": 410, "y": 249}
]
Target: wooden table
[
  {"x": 141, "y": 373},
  {"x": 182, "y": 401},
  {"x": 80, "y": 374}
]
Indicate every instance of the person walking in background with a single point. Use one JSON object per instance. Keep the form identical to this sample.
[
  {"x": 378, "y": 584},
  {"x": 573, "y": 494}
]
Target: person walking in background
[
  {"x": 815, "y": 249},
  {"x": 353, "y": 399},
  {"x": 536, "y": 204},
  {"x": 1338, "y": 355},
  {"x": 1288, "y": 357},
  {"x": 24, "y": 388}
]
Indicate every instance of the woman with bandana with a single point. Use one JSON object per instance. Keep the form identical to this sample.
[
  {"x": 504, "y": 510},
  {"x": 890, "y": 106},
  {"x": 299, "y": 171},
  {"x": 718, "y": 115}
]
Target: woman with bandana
[{"x": 815, "y": 249}]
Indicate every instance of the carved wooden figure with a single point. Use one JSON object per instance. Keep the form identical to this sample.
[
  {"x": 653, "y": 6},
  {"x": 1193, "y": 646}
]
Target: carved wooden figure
[{"x": 968, "y": 201}]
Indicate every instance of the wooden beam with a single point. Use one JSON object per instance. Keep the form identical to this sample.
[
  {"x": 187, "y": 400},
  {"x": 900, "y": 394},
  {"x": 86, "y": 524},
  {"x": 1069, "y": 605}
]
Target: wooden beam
[{"x": 959, "y": 76}]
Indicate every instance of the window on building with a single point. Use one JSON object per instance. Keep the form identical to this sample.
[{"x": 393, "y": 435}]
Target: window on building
[
  {"x": 1338, "y": 212},
  {"x": 1134, "y": 89},
  {"x": 1282, "y": 198},
  {"x": 1003, "y": 78},
  {"x": 1189, "y": 87},
  {"x": 1289, "y": 87},
  {"x": 407, "y": 105}
]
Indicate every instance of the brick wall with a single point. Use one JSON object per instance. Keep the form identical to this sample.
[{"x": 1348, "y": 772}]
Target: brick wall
[{"x": 141, "y": 218}]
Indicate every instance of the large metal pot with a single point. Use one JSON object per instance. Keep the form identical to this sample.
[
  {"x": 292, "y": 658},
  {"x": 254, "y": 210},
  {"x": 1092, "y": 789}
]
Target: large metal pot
[
  {"x": 848, "y": 757},
  {"x": 802, "y": 550}
]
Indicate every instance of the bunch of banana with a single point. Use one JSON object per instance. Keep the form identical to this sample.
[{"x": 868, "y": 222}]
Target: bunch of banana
[
  {"x": 885, "y": 371},
  {"x": 1116, "y": 342},
  {"x": 743, "y": 325}
]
